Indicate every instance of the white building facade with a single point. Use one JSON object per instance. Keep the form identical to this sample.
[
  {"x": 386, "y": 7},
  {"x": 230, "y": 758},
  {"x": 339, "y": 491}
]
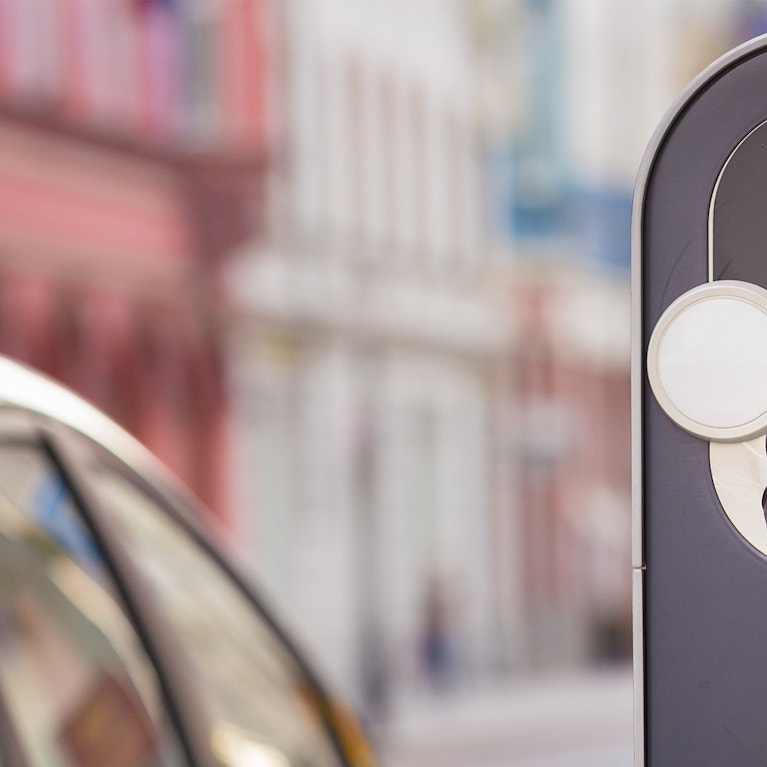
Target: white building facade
[{"x": 369, "y": 432}]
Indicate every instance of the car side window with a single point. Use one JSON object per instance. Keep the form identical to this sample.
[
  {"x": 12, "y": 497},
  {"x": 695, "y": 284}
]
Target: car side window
[
  {"x": 262, "y": 708},
  {"x": 79, "y": 689}
]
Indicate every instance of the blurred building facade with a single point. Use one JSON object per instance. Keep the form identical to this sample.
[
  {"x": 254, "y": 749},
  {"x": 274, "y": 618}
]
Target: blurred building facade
[
  {"x": 427, "y": 318},
  {"x": 569, "y": 96},
  {"x": 367, "y": 352},
  {"x": 569, "y": 385},
  {"x": 132, "y": 139}
]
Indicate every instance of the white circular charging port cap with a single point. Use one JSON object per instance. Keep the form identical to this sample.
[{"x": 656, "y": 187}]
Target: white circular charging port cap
[{"x": 707, "y": 361}]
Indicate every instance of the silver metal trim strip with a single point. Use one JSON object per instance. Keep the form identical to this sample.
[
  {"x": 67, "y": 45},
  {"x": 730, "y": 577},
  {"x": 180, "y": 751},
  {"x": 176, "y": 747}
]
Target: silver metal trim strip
[
  {"x": 637, "y": 603},
  {"x": 637, "y": 368}
]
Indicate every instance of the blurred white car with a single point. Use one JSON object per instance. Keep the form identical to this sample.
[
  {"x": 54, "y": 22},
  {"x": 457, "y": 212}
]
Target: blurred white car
[{"x": 127, "y": 638}]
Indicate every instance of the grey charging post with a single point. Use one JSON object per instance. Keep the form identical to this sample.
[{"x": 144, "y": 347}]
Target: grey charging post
[{"x": 699, "y": 404}]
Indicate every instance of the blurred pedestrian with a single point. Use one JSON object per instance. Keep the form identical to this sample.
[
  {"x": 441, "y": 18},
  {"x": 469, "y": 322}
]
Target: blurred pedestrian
[{"x": 437, "y": 651}]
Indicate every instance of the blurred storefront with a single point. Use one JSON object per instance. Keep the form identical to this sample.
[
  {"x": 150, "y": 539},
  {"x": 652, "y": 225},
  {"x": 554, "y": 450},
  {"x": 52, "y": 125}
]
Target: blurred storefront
[{"x": 132, "y": 144}]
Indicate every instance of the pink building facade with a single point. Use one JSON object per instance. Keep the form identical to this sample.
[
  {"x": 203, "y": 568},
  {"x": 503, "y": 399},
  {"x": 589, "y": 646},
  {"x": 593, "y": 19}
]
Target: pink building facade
[
  {"x": 132, "y": 145},
  {"x": 569, "y": 379}
]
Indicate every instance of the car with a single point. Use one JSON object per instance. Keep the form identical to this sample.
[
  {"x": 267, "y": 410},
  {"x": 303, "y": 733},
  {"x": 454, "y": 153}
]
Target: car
[{"x": 128, "y": 635}]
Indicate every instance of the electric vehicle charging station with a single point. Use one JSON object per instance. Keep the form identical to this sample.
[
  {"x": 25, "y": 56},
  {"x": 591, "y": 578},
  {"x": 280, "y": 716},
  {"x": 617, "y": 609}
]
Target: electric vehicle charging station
[{"x": 699, "y": 405}]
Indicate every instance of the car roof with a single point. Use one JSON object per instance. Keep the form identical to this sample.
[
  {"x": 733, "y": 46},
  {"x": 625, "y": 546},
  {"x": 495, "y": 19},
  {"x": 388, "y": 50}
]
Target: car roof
[{"x": 27, "y": 389}]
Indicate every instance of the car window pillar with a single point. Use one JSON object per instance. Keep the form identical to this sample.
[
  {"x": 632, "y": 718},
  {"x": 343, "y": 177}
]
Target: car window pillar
[{"x": 173, "y": 673}]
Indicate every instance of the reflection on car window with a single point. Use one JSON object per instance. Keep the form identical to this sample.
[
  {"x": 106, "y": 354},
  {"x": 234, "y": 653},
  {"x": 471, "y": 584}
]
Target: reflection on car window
[
  {"x": 79, "y": 689},
  {"x": 263, "y": 710}
]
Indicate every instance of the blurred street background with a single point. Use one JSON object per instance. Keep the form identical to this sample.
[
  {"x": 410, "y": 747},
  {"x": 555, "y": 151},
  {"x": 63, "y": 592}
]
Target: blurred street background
[{"x": 358, "y": 271}]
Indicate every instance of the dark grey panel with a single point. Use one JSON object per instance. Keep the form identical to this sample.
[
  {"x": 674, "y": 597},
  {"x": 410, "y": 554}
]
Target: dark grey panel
[
  {"x": 705, "y": 587},
  {"x": 740, "y": 213}
]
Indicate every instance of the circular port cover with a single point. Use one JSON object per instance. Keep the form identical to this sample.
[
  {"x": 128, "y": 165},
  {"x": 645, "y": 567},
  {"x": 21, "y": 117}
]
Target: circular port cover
[{"x": 707, "y": 361}]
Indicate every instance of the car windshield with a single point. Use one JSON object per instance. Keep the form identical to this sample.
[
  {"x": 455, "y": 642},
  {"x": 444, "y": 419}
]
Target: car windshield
[
  {"x": 264, "y": 711},
  {"x": 79, "y": 688}
]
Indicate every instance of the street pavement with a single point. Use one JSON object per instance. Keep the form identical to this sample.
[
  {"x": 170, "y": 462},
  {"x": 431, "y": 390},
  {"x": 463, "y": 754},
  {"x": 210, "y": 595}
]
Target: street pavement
[{"x": 578, "y": 720}]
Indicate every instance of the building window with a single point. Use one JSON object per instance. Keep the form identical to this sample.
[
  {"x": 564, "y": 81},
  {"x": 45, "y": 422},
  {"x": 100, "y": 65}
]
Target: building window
[
  {"x": 200, "y": 71},
  {"x": 419, "y": 167},
  {"x": 355, "y": 161},
  {"x": 456, "y": 198},
  {"x": 33, "y": 48},
  {"x": 102, "y": 61},
  {"x": 388, "y": 162}
]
